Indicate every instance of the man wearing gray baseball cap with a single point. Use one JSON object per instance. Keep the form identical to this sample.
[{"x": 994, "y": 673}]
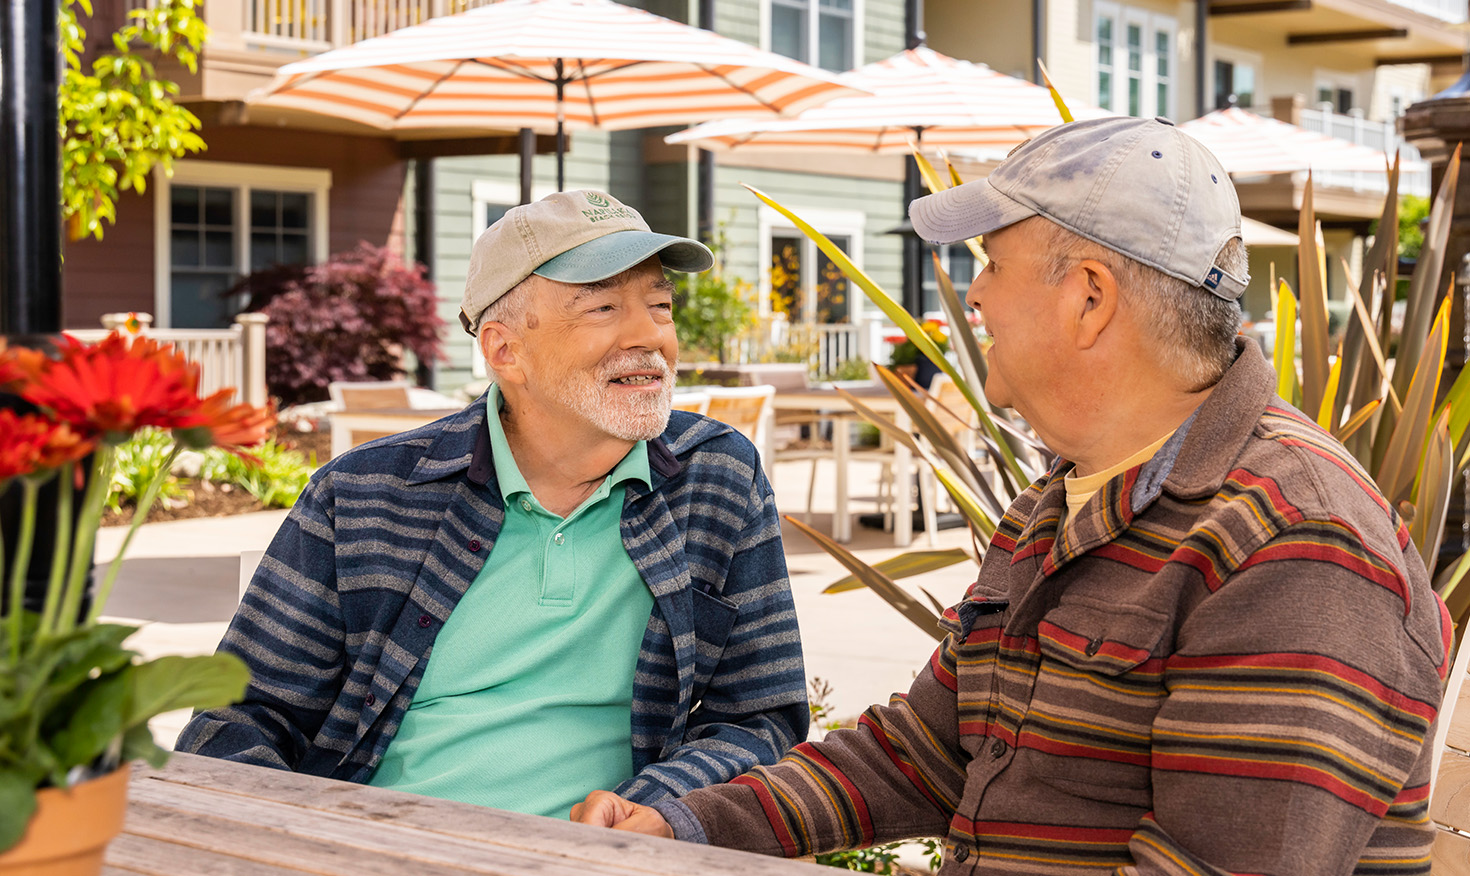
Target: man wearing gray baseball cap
[
  {"x": 562, "y": 588},
  {"x": 1201, "y": 643}
]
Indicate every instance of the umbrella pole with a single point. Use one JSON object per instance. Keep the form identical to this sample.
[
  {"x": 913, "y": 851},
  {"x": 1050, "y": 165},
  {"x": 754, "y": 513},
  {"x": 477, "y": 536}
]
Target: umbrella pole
[
  {"x": 561, "y": 135},
  {"x": 528, "y": 156}
]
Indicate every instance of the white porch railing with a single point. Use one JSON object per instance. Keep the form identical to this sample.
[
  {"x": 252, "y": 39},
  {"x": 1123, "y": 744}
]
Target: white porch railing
[
  {"x": 318, "y": 25},
  {"x": 232, "y": 358},
  {"x": 823, "y": 346}
]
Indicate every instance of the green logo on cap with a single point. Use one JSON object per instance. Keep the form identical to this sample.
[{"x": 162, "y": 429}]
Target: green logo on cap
[{"x": 597, "y": 200}]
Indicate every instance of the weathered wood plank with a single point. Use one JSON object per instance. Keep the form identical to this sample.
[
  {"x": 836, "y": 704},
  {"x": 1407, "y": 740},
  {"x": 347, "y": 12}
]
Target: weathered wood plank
[
  {"x": 152, "y": 857},
  {"x": 242, "y": 839},
  {"x": 1450, "y": 804},
  {"x": 1451, "y": 855},
  {"x": 356, "y": 815},
  {"x": 1459, "y": 735}
]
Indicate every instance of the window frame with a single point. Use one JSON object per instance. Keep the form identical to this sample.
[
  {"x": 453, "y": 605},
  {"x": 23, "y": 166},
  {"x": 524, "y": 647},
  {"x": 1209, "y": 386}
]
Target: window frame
[
  {"x": 242, "y": 179},
  {"x": 483, "y": 193},
  {"x": 1238, "y": 58},
  {"x": 1151, "y": 24},
  {"x": 1338, "y": 81},
  {"x": 851, "y": 224},
  {"x": 813, "y": 33}
]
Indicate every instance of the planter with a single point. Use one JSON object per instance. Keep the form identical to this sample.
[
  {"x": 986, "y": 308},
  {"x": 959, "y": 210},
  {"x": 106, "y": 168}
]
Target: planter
[
  {"x": 909, "y": 371},
  {"x": 71, "y": 829}
]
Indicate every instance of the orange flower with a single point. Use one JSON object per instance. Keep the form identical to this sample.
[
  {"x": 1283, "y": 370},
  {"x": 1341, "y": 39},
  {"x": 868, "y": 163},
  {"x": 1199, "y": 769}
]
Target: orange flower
[
  {"x": 229, "y": 427},
  {"x": 116, "y": 386},
  {"x": 16, "y": 365},
  {"x": 32, "y": 444}
]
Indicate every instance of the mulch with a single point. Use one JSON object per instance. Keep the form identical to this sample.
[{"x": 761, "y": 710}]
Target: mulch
[{"x": 206, "y": 499}]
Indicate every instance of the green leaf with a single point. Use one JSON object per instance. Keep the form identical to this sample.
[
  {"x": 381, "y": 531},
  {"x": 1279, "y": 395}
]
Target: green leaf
[
  {"x": 170, "y": 683},
  {"x": 17, "y": 803},
  {"x": 1401, "y": 458},
  {"x": 95, "y": 719},
  {"x": 879, "y": 583},
  {"x": 1431, "y": 503},
  {"x": 138, "y": 744},
  {"x": 904, "y": 566}
]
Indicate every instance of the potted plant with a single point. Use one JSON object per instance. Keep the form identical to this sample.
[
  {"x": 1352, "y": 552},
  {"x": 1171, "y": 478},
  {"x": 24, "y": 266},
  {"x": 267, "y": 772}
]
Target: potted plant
[
  {"x": 74, "y": 701},
  {"x": 908, "y": 360}
]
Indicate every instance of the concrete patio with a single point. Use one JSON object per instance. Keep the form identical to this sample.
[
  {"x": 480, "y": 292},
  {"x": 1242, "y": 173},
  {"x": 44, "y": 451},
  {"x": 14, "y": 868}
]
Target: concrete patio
[{"x": 180, "y": 580}]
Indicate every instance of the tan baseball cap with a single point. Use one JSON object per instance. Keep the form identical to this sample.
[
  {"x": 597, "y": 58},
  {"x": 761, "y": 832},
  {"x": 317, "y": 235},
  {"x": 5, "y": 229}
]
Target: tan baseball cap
[
  {"x": 570, "y": 237},
  {"x": 1141, "y": 187}
]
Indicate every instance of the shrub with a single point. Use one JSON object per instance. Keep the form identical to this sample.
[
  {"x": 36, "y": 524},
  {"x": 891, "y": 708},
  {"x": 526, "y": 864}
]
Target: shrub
[
  {"x": 276, "y": 482},
  {"x": 350, "y": 318},
  {"x": 710, "y": 308},
  {"x": 138, "y": 462}
]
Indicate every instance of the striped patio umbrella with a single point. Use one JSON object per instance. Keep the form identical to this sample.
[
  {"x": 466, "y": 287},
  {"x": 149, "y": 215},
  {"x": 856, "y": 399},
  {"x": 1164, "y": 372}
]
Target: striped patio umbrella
[
  {"x": 918, "y": 94},
  {"x": 1247, "y": 143},
  {"x": 548, "y": 65}
]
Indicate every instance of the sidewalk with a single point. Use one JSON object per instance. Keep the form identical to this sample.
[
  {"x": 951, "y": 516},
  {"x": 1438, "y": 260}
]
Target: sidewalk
[{"x": 181, "y": 578}]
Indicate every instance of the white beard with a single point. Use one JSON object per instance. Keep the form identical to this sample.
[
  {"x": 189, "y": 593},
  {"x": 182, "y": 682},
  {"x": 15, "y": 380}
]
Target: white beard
[{"x": 641, "y": 417}]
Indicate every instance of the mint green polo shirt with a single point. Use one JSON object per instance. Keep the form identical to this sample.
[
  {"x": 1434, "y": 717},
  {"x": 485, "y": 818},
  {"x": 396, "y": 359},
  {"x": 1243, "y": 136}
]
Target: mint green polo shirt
[{"x": 526, "y": 703}]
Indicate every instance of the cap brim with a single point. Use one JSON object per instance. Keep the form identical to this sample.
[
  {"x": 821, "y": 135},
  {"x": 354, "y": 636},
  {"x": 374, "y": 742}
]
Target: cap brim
[
  {"x": 965, "y": 211},
  {"x": 614, "y": 253}
]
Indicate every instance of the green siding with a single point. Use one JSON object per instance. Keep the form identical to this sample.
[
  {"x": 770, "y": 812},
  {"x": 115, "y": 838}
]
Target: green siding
[
  {"x": 739, "y": 19},
  {"x": 882, "y": 29}
]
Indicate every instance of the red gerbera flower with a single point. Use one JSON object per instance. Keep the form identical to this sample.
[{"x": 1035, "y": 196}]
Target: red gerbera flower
[
  {"x": 229, "y": 427},
  {"x": 16, "y": 364},
  {"x": 116, "y": 386},
  {"x": 32, "y": 444}
]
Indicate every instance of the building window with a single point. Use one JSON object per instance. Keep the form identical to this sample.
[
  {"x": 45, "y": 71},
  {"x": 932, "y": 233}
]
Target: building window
[
  {"x": 1338, "y": 97},
  {"x": 1235, "y": 84},
  {"x": 802, "y": 282},
  {"x": 819, "y": 32},
  {"x": 224, "y": 221},
  {"x": 958, "y": 262},
  {"x": 1134, "y": 61}
]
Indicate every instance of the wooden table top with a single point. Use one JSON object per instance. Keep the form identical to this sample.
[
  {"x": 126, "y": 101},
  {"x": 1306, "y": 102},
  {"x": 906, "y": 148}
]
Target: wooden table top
[{"x": 201, "y": 815}]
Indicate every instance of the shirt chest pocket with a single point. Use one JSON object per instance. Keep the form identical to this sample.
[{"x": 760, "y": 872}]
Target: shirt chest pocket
[
  {"x": 714, "y": 618},
  {"x": 1098, "y": 687}
]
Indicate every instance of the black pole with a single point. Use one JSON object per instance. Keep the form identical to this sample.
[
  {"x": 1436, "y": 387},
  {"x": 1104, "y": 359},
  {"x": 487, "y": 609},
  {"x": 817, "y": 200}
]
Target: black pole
[
  {"x": 705, "y": 182},
  {"x": 1201, "y": 62},
  {"x": 913, "y": 246},
  {"x": 423, "y": 240},
  {"x": 30, "y": 170},
  {"x": 913, "y": 24},
  {"x": 528, "y": 155},
  {"x": 561, "y": 134}
]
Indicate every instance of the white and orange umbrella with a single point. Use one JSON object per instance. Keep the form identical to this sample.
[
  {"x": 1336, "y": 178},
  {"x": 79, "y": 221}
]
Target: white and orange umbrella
[
  {"x": 1247, "y": 143},
  {"x": 547, "y": 65},
  {"x": 917, "y": 95}
]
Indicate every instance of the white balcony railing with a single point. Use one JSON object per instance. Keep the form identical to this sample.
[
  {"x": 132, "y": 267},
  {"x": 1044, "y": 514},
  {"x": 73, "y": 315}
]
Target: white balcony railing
[
  {"x": 318, "y": 25},
  {"x": 1452, "y": 11},
  {"x": 1380, "y": 136}
]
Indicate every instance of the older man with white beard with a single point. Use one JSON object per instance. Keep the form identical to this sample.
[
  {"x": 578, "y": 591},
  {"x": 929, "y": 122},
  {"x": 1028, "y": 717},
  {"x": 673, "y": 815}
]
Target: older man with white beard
[{"x": 560, "y": 589}]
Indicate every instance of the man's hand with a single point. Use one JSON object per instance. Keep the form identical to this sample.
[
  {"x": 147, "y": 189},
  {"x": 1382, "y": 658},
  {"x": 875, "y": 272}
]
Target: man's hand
[{"x": 606, "y": 809}]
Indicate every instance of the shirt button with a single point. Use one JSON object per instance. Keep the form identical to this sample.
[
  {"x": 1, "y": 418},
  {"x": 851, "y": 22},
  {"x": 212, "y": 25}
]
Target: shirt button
[
  {"x": 998, "y": 748},
  {"x": 526, "y": 504},
  {"x": 961, "y": 854},
  {"x": 559, "y": 538},
  {"x": 474, "y": 545},
  {"x": 425, "y": 620},
  {"x": 370, "y": 699},
  {"x": 1093, "y": 647}
]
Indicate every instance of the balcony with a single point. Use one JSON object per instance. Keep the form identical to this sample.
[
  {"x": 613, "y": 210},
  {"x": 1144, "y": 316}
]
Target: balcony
[{"x": 1379, "y": 136}]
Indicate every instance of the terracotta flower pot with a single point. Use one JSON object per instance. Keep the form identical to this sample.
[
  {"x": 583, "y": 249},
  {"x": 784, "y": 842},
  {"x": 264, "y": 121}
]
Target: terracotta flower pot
[{"x": 71, "y": 829}]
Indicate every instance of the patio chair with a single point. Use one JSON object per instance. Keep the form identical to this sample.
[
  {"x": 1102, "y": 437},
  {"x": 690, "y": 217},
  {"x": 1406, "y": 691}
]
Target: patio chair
[
  {"x": 697, "y": 402},
  {"x": 747, "y": 409},
  {"x": 353, "y": 397}
]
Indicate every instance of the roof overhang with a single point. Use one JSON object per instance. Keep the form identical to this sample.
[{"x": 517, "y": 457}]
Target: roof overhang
[{"x": 1378, "y": 31}]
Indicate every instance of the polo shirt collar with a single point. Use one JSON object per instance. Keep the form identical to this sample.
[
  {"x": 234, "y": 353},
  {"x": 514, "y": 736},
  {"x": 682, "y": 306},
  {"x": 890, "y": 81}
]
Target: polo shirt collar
[{"x": 632, "y": 467}]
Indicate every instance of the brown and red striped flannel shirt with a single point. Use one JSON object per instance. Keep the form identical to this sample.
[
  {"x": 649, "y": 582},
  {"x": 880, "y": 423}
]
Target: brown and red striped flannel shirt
[{"x": 1228, "y": 662}]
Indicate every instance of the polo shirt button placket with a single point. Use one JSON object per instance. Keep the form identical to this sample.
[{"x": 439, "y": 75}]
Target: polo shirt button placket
[
  {"x": 525, "y": 504},
  {"x": 559, "y": 538}
]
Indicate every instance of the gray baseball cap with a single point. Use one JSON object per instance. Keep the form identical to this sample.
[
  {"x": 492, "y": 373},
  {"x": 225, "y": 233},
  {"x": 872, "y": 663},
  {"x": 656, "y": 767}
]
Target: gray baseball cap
[
  {"x": 1141, "y": 187},
  {"x": 570, "y": 237}
]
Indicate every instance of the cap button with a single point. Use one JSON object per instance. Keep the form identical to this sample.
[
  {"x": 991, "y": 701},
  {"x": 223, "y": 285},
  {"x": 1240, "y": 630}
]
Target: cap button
[{"x": 1163, "y": 120}]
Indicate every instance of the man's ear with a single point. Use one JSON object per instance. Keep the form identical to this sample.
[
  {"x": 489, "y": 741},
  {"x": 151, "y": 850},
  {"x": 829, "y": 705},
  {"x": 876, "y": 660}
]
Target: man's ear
[
  {"x": 1094, "y": 300},
  {"x": 501, "y": 348}
]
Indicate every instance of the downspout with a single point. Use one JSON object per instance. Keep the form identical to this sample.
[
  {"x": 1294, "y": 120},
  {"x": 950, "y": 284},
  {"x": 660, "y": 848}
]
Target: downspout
[
  {"x": 913, "y": 186},
  {"x": 705, "y": 184},
  {"x": 1201, "y": 43},
  {"x": 1038, "y": 38}
]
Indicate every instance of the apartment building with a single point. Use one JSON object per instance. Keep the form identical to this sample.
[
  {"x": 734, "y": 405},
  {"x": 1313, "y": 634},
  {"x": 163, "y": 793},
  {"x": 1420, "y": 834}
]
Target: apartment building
[{"x": 278, "y": 187}]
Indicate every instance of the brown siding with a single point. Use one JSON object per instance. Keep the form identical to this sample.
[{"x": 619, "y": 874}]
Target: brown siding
[{"x": 117, "y": 273}]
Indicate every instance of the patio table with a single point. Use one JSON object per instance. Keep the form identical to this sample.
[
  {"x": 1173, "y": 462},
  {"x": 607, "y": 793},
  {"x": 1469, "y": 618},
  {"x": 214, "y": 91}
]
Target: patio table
[
  {"x": 818, "y": 402},
  {"x": 203, "y": 815}
]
